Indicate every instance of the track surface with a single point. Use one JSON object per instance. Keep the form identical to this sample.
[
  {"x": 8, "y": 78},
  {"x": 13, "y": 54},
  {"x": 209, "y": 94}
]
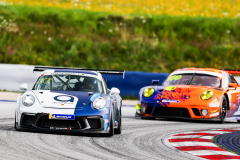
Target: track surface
[{"x": 140, "y": 139}]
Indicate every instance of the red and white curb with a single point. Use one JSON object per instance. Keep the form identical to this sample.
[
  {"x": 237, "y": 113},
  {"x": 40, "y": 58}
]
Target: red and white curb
[{"x": 199, "y": 143}]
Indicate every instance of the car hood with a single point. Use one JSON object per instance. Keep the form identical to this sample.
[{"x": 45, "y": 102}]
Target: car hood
[
  {"x": 64, "y": 99},
  {"x": 179, "y": 95}
]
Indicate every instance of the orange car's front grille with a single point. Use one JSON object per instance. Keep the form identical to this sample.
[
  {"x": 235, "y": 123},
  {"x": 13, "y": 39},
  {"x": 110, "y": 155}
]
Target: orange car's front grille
[
  {"x": 149, "y": 110},
  {"x": 196, "y": 112},
  {"x": 171, "y": 112}
]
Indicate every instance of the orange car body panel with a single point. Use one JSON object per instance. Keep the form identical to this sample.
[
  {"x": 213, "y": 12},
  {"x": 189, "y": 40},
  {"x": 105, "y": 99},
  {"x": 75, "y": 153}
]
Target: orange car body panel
[{"x": 189, "y": 97}]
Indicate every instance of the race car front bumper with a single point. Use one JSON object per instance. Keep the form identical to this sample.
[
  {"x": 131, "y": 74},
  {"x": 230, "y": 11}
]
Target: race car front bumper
[
  {"x": 80, "y": 124},
  {"x": 155, "y": 110}
]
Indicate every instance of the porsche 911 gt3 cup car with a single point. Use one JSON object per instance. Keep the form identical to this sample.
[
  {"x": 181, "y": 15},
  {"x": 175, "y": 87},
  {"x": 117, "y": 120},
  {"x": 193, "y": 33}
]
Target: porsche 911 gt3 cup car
[
  {"x": 75, "y": 100},
  {"x": 196, "y": 93}
]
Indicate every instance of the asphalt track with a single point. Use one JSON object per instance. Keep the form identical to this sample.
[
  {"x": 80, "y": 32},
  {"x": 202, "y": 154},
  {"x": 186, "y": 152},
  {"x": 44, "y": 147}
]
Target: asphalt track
[{"x": 140, "y": 139}]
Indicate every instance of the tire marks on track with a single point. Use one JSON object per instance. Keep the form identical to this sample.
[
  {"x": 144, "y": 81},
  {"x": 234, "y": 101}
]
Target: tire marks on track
[{"x": 140, "y": 139}]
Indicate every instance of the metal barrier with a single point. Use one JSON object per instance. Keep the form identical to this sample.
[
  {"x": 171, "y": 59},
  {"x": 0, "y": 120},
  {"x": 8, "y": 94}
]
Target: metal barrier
[
  {"x": 12, "y": 76},
  {"x": 133, "y": 81}
]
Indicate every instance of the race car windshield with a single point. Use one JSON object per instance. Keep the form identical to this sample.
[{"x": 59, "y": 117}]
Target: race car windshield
[
  {"x": 193, "y": 79},
  {"x": 69, "y": 83},
  {"x": 205, "y": 80}
]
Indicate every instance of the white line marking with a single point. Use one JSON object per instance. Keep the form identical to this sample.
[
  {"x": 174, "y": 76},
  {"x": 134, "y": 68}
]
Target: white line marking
[
  {"x": 179, "y": 144},
  {"x": 212, "y": 132},
  {"x": 209, "y": 152},
  {"x": 193, "y": 136}
]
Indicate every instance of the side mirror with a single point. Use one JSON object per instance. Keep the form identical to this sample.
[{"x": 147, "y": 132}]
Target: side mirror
[
  {"x": 234, "y": 85},
  {"x": 114, "y": 91},
  {"x": 24, "y": 87},
  {"x": 155, "y": 81}
]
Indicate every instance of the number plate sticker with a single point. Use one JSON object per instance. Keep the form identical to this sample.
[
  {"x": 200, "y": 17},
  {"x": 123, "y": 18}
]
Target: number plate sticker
[{"x": 61, "y": 116}]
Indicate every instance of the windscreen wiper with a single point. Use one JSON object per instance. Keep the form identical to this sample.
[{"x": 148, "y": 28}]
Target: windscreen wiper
[{"x": 191, "y": 78}]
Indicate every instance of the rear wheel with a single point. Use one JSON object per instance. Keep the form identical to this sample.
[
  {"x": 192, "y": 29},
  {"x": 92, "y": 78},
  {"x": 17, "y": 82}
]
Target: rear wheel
[
  {"x": 119, "y": 129},
  {"x": 223, "y": 109}
]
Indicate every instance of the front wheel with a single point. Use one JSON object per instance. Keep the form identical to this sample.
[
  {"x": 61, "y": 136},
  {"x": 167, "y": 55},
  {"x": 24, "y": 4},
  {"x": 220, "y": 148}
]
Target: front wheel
[
  {"x": 111, "y": 131},
  {"x": 223, "y": 112},
  {"x": 15, "y": 124},
  {"x": 238, "y": 121},
  {"x": 119, "y": 129}
]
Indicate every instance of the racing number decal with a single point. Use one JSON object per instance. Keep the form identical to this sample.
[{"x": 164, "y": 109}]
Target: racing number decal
[
  {"x": 170, "y": 88},
  {"x": 41, "y": 81},
  {"x": 175, "y": 77}
]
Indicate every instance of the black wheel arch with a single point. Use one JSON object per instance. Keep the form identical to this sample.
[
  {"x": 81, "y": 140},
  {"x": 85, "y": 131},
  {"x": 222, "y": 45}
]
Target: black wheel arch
[{"x": 228, "y": 107}]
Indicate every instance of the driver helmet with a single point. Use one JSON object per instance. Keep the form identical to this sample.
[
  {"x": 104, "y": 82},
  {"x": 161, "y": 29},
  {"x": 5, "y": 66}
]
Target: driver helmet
[{"x": 89, "y": 82}]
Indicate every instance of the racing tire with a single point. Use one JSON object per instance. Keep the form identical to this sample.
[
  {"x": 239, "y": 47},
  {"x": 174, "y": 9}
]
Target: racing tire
[
  {"x": 15, "y": 124},
  {"x": 148, "y": 118},
  {"x": 111, "y": 131},
  {"x": 238, "y": 121},
  {"x": 223, "y": 112},
  {"x": 119, "y": 129}
]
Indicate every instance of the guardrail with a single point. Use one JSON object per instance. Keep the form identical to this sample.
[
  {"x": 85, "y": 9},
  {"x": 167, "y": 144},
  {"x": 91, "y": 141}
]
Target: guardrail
[{"x": 12, "y": 76}]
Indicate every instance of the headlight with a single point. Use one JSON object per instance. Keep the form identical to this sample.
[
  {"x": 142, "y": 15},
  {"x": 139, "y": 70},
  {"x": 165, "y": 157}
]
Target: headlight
[
  {"x": 28, "y": 100},
  {"x": 148, "y": 92},
  {"x": 99, "y": 103},
  {"x": 206, "y": 95}
]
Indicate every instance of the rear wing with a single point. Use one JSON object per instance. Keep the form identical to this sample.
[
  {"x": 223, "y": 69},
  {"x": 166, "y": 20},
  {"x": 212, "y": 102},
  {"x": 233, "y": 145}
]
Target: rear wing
[
  {"x": 113, "y": 72},
  {"x": 232, "y": 71}
]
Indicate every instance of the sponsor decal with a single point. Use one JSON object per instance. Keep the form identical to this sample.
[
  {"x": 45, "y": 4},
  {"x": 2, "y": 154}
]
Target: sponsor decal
[
  {"x": 44, "y": 81},
  {"x": 167, "y": 101},
  {"x": 178, "y": 94},
  {"x": 105, "y": 121},
  {"x": 214, "y": 111},
  {"x": 60, "y": 128},
  {"x": 174, "y": 77},
  {"x": 63, "y": 99},
  {"x": 170, "y": 88},
  {"x": 95, "y": 96},
  {"x": 233, "y": 108},
  {"x": 61, "y": 116},
  {"x": 214, "y": 114},
  {"x": 214, "y": 105}
]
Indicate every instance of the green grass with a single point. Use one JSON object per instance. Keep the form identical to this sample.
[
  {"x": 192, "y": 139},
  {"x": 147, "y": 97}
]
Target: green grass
[
  {"x": 4, "y": 90},
  {"x": 58, "y": 37}
]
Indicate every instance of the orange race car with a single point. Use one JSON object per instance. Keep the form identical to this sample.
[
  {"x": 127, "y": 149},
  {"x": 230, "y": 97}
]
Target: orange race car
[{"x": 196, "y": 93}]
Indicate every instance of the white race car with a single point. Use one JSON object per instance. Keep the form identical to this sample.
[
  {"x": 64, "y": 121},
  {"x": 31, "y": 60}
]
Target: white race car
[{"x": 76, "y": 100}]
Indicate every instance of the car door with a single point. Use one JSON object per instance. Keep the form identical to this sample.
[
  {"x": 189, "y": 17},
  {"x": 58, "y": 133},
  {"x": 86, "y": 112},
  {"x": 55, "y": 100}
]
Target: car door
[{"x": 233, "y": 95}]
